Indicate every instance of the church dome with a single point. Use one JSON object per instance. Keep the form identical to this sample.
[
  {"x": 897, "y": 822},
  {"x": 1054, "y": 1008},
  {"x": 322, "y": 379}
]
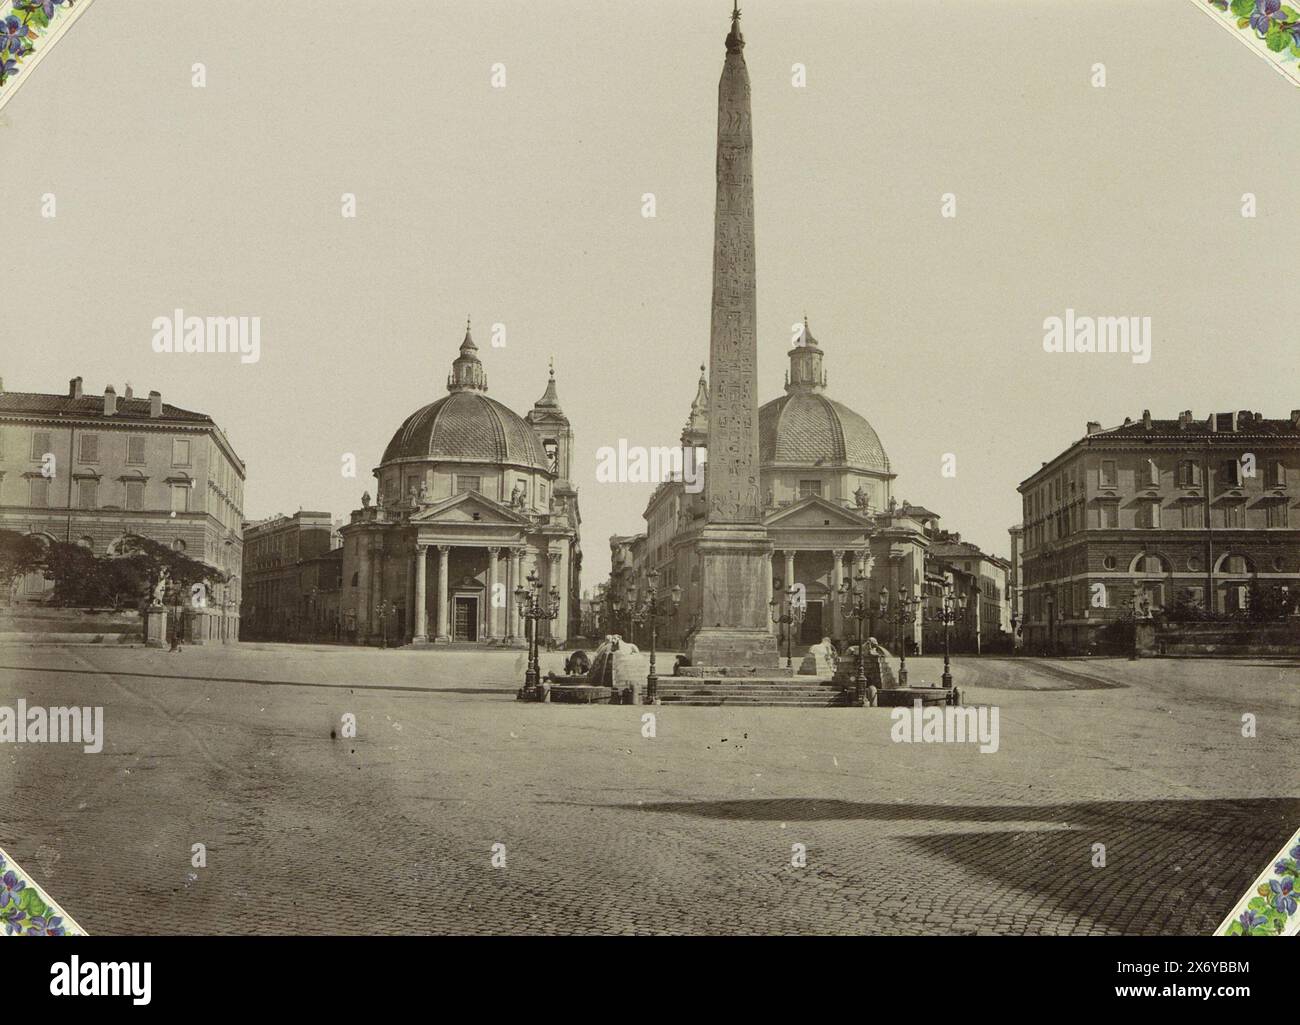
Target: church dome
[
  {"x": 810, "y": 429},
  {"x": 804, "y": 427},
  {"x": 466, "y": 426}
]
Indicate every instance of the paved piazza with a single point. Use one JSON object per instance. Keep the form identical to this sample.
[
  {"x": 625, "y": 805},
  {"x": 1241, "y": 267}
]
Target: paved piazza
[{"x": 607, "y": 831}]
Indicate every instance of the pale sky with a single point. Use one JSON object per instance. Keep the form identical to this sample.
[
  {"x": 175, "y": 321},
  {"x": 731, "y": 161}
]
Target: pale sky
[{"x": 523, "y": 206}]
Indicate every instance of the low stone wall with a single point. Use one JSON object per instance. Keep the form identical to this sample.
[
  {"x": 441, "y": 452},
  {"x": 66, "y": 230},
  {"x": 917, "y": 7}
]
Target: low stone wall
[
  {"x": 32, "y": 625},
  {"x": 1229, "y": 638}
]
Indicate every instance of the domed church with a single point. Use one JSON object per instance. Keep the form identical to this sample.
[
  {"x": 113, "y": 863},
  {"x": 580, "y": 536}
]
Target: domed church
[
  {"x": 825, "y": 485},
  {"x": 470, "y": 498}
]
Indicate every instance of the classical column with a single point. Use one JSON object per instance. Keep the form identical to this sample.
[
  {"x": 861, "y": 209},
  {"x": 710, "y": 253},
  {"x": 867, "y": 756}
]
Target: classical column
[
  {"x": 444, "y": 603},
  {"x": 421, "y": 620},
  {"x": 490, "y": 630},
  {"x": 562, "y": 621},
  {"x": 512, "y": 630},
  {"x": 837, "y": 578},
  {"x": 553, "y": 580},
  {"x": 789, "y": 569}
]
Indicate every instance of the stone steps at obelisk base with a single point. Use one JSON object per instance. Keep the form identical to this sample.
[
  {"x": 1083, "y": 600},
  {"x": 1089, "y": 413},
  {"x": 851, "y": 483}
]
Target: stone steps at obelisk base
[{"x": 789, "y": 692}]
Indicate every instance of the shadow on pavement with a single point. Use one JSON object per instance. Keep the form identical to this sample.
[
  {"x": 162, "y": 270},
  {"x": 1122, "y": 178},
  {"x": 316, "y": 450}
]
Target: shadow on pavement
[{"x": 1172, "y": 866}]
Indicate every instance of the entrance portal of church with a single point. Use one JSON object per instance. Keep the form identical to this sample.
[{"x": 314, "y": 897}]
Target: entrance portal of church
[
  {"x": 811, "y": 633},
  {"x": 465, "y": 618}
]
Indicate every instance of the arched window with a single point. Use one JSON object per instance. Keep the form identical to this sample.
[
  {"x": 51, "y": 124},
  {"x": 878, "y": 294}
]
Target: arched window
[
  {"x": 1235, "y": 564},
  {"x": 1149, "y": 565}
]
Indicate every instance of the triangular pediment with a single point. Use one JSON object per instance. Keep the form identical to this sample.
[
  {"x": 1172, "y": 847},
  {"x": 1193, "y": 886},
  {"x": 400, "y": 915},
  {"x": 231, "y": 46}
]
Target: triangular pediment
[
  {"x": 469, "y": 507},
  {"x": 813, "y": 512}
]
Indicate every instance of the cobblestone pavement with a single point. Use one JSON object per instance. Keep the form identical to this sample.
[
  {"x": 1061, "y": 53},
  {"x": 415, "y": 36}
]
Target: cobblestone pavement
[{"x": 609, "y": 831}]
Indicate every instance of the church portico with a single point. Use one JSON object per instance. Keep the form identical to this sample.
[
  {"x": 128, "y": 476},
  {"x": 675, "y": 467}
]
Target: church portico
[{"x": 464, "y": 588}]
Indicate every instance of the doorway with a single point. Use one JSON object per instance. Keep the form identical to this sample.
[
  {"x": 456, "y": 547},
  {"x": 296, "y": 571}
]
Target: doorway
[
  {"x": 811, "y": 632},
  {"x": 465, "y": 618}
]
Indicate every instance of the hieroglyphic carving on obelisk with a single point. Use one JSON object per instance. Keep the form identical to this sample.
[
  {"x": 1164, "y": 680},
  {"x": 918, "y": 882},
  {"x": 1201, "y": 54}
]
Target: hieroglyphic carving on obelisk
[{"x": 732, "y": 480}]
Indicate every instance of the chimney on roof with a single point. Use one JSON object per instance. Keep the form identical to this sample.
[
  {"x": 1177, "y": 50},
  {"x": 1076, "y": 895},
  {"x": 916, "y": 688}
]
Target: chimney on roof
[
  {"x": 1184, "y": 419},
  {"x": 1213, "y": 423},
  {"x": 74, "y": 388},
  {"x": 1146, "y": 419},
  {"x": 129, "y": 393},
  {"x": 155, "y": 404},
  {"x": 1127, "y": 420},
  {"x": 1234, "y": 416},
  {"x": 1093, "y": 427},
  {"x": 110, "y": 401},
  {"x": 1295, "y": 413}
]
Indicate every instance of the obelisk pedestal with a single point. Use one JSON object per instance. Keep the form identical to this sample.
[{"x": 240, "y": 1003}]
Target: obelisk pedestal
[
  {"x": 734, "y": 549},
  {"x": 735, "y": 561}
]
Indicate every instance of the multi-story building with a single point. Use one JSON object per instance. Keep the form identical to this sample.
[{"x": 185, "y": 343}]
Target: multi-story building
[
  {"x": 981, "y": 579},
  {"x": 627, "y": 578},
  {"x": 282, "y": 583},
  {"x": 1188, "y": 510},
  {"x": 592, "y": 614},
  {"x": 92, "y": 469}
]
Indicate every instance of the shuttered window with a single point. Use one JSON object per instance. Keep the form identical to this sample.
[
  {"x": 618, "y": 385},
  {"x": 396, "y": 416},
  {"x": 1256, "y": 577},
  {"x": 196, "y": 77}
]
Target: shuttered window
[{"x": 40, "y": 444}]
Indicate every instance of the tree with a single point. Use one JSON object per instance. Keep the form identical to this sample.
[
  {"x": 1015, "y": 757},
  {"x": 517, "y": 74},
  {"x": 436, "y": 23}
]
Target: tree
[
  {"x": 20, "y": 554},
  {"x": 182, "y": 571},
  {"x": 126, "y": 579},
  {"x": 1265, "y": 604}
]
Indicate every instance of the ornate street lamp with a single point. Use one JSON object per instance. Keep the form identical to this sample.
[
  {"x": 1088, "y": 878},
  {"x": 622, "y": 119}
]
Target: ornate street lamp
[
  {"x": 952, "y": 608},
  {"x": 630, "y": 600},
  {"x": 856, "y": 604},
  {"x": 385, "y": 609},
  {"x": 903, "y": 613},
  {"x": 533, "y": 608},
  {"x": 652, "y": 610},
  {"x": 788, "y": 614}
]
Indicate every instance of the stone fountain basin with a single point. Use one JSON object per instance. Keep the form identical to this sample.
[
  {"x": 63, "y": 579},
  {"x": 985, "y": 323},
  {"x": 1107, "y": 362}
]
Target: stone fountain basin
[{"x": 894, "y": 697}]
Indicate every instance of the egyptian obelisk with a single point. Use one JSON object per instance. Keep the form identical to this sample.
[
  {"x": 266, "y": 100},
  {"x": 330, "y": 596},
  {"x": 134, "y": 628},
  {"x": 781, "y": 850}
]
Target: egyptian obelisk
[{"x": 734, "y": 549}]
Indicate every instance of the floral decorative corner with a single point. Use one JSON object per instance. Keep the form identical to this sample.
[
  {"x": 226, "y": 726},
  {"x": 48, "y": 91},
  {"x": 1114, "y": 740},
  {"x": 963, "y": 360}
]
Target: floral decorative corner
[
  {"x": 26, "y": 909},
  {"x": 1270, "y": 908},
  {"x": 1270, "y": 27},
  {"x": 21, "y": 31}
]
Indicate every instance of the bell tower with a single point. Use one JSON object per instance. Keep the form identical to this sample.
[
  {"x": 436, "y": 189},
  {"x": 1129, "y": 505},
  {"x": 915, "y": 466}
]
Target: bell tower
[{"x": 554, "y": 431}]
